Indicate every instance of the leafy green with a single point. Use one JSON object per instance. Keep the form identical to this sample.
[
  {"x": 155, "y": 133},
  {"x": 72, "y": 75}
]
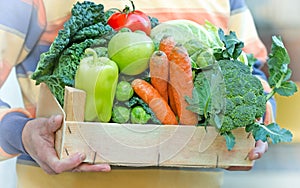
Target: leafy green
[
  {"x": 230, "y": 139},
  {"x": 200, "y": 102},
  {"x": 272, "y": 131},
  {"x": 233, "y": 46},
  {"x": 244, "y": 93},
  {"x": 86, "y": 28},
  {"x": 93, "y": 31},
  {"x": 83, "y": 15},
  {"x": 278, "y": 69},
  {"x": 208, "y": 97}
]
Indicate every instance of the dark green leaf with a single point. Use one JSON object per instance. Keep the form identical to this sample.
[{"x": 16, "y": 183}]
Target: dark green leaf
[
  {"x": 286, "y": 89},
  {"x": 273, "y": 132},
  {"x": 230, "y": 140},
  {"x": 233, "y": 46}
]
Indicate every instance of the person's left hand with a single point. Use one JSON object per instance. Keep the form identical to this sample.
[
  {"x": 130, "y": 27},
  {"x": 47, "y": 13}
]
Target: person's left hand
[{"x": 259, "y": 149}]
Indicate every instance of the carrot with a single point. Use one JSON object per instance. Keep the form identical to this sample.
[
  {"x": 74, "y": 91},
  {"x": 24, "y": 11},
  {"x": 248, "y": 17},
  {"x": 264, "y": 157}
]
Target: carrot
[
  {"x": 181, "y": 79},
  {"x": 167, "y": 43},
  {"x": 155, "y": 101},
  {"x": 159, "y": 73}
]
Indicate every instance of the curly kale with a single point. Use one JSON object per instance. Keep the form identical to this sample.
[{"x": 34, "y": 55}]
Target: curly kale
[
  {"x": 93, "y": 31},
  {"x": 83, "y": 15},
  {"x": 86, "y": 28}
]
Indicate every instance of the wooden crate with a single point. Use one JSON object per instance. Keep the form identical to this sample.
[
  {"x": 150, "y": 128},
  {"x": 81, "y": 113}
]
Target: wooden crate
[{"x": 141, "y": 145}]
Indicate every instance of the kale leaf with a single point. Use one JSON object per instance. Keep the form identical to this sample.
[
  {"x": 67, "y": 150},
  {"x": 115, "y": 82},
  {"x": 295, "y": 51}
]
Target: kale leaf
[{"x": 86, "y": 28}]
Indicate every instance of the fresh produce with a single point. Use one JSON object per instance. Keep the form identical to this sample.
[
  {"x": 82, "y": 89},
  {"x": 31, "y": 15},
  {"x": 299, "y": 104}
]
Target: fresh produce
[
  {"x": 136, "y": 101},
  {"x": 166, "y": 45},
  {"x": 131, "y": 51},
  {"x": 206, "y": 74},
  {"x": 124, "y": 91},
  {"x": 159, "y": 73},
  {"x": 181, "y": 80},
  {"x": 130, "y": 18},
  {"x": 185, "y": 30},
  {"x": 245, "y": 100},
  {"x": 155, "y": 101},
  {"x": 139, "y": 116},
  {"x": 85, "y": 28},
  {"x": 98, "y": 77},
  {"x": 120, "y": 114}
]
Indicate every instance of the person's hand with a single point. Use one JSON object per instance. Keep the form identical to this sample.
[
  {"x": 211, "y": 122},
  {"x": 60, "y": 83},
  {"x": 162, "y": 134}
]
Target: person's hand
[
  {"x": 38, "y": 140},
  {"x": 259, "y": 149},
  {"x": 255, "y": 153}
]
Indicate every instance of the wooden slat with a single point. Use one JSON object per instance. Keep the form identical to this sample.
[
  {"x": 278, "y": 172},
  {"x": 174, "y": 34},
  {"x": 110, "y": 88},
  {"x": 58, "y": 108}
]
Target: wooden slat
[{"x": 153, "y": 145}]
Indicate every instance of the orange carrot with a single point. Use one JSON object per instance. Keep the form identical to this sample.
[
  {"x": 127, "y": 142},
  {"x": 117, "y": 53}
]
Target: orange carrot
[
  {"x": 155, "y": 101},
  {"x": 167, "y": 43},
  {"x": 181, "y": 79},
  {"x": 159, "y": 73}
]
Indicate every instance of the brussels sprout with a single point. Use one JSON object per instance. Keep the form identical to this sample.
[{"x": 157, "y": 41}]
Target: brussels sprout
[
  {"x": 139, "y": 115},
  {"x": 120, "y": 114},
  {"x": 124, "y": 91}
]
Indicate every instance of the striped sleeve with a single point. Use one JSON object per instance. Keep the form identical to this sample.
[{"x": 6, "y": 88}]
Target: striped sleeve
[
  {"x": 12, "y": 122},
  {"x": 241, "y": 21},
  {"x": 21, "y": 24}
]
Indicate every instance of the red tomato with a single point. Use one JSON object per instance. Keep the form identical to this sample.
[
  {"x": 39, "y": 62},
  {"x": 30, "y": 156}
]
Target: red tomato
[{"x": 132, "y": 19}]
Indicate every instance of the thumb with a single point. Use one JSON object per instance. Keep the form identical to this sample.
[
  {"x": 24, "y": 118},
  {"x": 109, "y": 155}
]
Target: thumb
[{"x": 55, "y": 122}]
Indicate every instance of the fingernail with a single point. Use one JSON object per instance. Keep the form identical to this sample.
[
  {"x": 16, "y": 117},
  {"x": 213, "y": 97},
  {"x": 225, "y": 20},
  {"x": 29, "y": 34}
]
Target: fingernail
[
  {"x": 106, "y": 169},
  {"x": 255, "y": 156},
  {"x": 82, "y": 156}
]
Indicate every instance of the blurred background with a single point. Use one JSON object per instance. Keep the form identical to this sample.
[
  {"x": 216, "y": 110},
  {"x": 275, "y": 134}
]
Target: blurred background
[{"x": 280, "y": 166}]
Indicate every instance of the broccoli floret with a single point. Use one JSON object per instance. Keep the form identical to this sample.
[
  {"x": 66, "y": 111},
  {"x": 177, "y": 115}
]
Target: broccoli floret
[{"x": 245, "y": 98}]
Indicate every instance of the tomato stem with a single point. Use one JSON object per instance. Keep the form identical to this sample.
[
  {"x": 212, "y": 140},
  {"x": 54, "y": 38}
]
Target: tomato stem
[
  {"x": 133, "y": 7},
  {"x": 127, "y": 9}
]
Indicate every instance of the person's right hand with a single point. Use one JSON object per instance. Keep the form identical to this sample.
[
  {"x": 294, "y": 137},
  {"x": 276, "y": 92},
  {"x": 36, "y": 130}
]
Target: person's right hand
[{"x": 38, "y": 140}]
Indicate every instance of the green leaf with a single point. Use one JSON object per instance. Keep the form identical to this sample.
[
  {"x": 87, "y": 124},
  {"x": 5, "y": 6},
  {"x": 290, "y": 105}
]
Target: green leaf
[
  {"x": 278, "y": 61},
  {"x": 230, "y": 140},
  {"x": 273, "y": 132},
  {"x": 201, "y": 95},
  {"x": 279, "y": 72},
  {"x": 286, "y": 89},
  {"x": 233, "y": 46}
]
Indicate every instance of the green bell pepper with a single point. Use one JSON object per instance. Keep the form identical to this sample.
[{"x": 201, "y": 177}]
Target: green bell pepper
[{"x": 98, "y": 77}]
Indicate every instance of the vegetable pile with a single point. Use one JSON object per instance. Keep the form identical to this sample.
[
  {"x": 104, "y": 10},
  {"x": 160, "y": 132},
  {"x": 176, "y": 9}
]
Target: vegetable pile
[{"x": 176, "y": 73}]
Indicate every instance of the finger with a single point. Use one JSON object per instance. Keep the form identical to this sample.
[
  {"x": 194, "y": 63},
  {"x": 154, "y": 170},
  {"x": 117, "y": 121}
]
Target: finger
[
  {"x": 85, "y": 167},
  {"x": 68, "y": 164},
  {"x": 55, "y": 123},
  {"x": 257, "y": 152}
]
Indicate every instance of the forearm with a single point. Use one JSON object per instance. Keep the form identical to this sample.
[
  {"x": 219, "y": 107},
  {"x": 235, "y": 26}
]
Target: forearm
[{"x": 12, "y": 122}]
